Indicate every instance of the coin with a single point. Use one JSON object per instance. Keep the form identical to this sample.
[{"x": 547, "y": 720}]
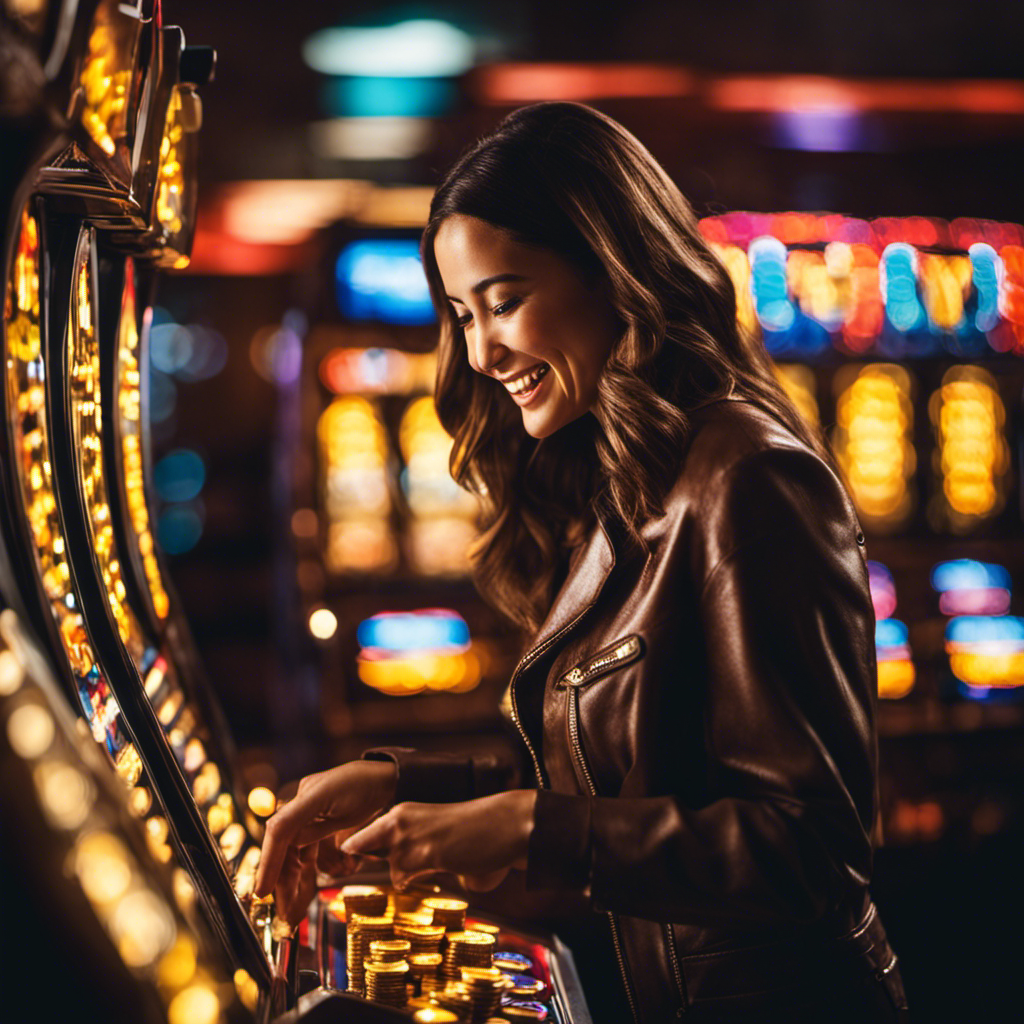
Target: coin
[
  {"x": 369, "y": 900},
  {"x": 389, "y": 950},
  {"x": 449, "y": 912},
  {"x": 514, "y": 962}
]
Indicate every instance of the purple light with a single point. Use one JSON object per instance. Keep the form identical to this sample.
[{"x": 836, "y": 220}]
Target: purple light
[
  {"x": 979, "y": 601},
  {"x": 822, "y": 131}
]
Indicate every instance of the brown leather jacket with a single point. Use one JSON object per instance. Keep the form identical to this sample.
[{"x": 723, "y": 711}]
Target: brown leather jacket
[{"x": 700, "y": 714}]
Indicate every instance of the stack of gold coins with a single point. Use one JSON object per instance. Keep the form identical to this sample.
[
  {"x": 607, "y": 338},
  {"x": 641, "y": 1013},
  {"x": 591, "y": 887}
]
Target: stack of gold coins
[
  {"x": 386, "y": 951},
  {"x": 367, "y": 900},
  {"x": 423, "y": 938},
  {"x": 482, "y": 926},
  {"x": 455, "y": 998},
  {"x": 361, "y": 932},
  {"x": 466, "y": 949},
  {"x": 448, "y": 912},
  {"x": 485, "y": 985},
  {"x": 425, "y": 972},
  {"x": 385, "y": 983},
  {"x": 354, "y": 956}
]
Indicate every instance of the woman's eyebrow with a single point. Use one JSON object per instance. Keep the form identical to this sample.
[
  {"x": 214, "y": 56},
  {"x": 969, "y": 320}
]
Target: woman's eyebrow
[{"x": 481, "y": 286}]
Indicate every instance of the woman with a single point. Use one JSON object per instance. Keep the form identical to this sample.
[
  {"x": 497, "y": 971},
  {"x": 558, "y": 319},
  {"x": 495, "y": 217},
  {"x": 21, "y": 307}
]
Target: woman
[{"x": 697, "y": 701}]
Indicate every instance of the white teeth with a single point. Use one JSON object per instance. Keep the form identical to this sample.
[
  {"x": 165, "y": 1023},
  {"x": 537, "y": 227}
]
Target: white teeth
[{"x": 527, "y": 381}]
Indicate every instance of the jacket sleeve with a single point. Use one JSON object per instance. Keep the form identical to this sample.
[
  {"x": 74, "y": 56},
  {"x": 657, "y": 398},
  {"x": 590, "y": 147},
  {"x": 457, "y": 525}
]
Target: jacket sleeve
[
  {"x": 426, "y": 777},
  {"x": 789, "y": 669}
]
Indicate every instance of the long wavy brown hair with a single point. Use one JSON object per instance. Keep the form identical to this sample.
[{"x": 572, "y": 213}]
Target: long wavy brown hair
[{"x": 565, "y": 177}]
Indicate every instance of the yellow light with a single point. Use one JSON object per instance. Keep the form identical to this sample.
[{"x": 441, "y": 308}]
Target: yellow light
[
  {"x": 873, "y": 442},
  {"x": 178, "y": 965},
  {"x": 103, "y": 867},
  {"x": 323, "y": 623},
  {"x": 30, "y": 731},
  {"x": 247, "y": 989},
  {"x": 140, "y": 800},
  {"x": 65, "y": 794},
  {"x": 798, "y": 382},
  {"x": 232, "y": 839},
  {"x": 895, "y": 679},
  {"x": 262, "y": 802},
  {"x": 11, "y": 673},
  {"x": 184, "y": 891},
  {"x": 143, "y": 928},
  {"x": 207, "y": 783},
  {"x": 968, "y": 416}
]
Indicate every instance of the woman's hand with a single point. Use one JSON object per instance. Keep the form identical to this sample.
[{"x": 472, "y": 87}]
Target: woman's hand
[
  {"x": 307, "y": 830},
  {"x": 478, "y": 839}
]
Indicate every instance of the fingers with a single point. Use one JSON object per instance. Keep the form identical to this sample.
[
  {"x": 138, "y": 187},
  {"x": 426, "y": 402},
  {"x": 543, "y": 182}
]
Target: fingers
[
  {"x": 282, "y": 830},
  {"x": 296, "y": 884},
  {"x": 375, "y": 839}
]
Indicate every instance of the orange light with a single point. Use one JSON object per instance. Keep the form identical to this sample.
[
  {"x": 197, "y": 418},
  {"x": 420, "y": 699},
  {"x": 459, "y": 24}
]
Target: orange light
[{"x": 527, "y": 83}]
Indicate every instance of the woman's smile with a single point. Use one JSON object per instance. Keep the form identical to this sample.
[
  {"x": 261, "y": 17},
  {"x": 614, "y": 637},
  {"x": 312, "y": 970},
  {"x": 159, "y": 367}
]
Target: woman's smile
[{"x": 525, "y": 387}]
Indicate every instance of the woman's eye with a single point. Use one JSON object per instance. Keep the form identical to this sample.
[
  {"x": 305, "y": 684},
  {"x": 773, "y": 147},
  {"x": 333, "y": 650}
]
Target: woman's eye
[
  {"x": 463, "y": 320},
  {"x": 505, "y": 307}
]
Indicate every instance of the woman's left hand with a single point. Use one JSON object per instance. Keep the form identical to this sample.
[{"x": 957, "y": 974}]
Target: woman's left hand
[{"x": 479, "y": 839}]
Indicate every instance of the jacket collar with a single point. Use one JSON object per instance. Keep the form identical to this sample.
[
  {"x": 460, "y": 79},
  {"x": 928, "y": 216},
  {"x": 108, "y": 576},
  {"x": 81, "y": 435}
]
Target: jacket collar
[{"x": 587, "y": 576}]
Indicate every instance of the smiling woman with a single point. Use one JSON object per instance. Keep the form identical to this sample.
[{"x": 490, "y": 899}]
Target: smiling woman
[
  {"x": 558, "y": 241},
  {"x": 696, "y": 701}
]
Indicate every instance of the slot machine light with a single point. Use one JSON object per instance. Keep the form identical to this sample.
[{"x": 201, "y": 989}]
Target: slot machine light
[
  {"x": 383, "y": 280},
  {"x": 986, "y": 652},
  {"x": 973, "y": 457},
  {"x": 799, "y": 383},
  {"x": 883, "y": 590},
  {"x": 897, "y": 279},
  {"x": 105, "y": 78},
  {"x": 896, "y": 673},
  {"x": 988, "y": 278},
  {"x": 404, "y": 653},
  {"x": 768, "y": 284},
  {"x": 873, "y": 442}
]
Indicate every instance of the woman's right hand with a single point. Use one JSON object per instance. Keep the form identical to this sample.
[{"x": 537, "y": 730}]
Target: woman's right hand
[{"x": 335, "y": 803}]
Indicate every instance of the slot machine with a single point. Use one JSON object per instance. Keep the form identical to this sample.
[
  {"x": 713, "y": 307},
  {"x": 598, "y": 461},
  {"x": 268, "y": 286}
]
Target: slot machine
[
  {"x": 105, "y": 197},
  {"x": 903, "y": 338}
]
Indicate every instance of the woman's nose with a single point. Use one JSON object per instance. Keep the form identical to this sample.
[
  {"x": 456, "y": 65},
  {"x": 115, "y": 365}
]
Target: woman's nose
[{"x": 486, "y": 349}]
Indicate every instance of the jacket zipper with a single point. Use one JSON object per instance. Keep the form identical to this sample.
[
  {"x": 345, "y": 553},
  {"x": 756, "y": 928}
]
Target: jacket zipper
[
  {"x": 577, "y": 750},
  {"x": 527, "y": 660}
]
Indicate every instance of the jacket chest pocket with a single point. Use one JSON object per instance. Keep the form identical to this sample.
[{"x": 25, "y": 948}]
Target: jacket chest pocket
[{"x": 609, "y": 659}]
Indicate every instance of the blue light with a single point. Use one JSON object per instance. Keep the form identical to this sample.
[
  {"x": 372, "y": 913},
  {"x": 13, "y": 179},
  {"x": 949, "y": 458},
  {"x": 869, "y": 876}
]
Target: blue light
[
  {"x": 988, "y": 272},
  {"x": 414, "y": 631},
  {"x": 383, "y": 280},
  {"x": 768, "y": 286},
  {"x": 179, "y": 475},
  {"x": 890, "y": 633},
  {"x": 898, "y": 280},
  {"x": 163, "y": 396},
  {"x": 968, "y": 574},
  {"x": 979, "y": 629},
  {"x": 389, "y": 97},
  {"x": 179, "y": 528}
]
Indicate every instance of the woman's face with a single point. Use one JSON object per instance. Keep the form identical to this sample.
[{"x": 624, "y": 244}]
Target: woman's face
[{"x": 530, "y": 318}]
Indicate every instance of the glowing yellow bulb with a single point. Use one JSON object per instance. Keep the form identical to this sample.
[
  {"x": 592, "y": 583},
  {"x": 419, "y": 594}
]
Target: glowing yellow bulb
[
  {"x": 30, "y": 731},
  {"x": 262, "y": 802},
  {"x": 323, "y": 623}
]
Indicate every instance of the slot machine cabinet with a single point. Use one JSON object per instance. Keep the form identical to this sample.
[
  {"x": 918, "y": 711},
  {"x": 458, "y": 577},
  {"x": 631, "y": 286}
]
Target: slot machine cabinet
[
  {"x": 104, "y": 204},
  {"x": 91, "y": 890},
  {"x": 115, "y": 177}
]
